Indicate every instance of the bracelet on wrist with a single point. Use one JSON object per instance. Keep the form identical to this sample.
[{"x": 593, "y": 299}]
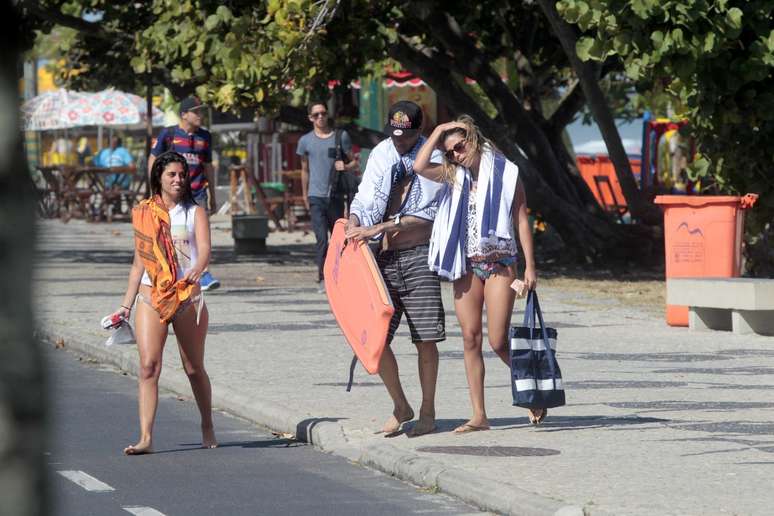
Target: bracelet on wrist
[{"x": 126, "y": 307}]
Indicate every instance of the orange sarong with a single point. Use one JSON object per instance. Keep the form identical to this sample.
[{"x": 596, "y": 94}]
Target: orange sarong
[{"x": 153, "y": 242}]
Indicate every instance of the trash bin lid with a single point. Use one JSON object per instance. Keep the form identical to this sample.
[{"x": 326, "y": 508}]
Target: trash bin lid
[{"x": 697, "y": 200}]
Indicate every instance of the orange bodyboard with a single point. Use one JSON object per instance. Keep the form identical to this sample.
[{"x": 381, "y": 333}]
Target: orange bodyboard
[{"x": 358, "y": 297}]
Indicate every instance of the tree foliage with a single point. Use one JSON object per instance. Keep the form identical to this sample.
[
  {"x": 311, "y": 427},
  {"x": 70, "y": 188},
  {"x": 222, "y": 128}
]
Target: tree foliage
[
  {"x": 714, "y": 61},
  {"x": 262, "y": 54},
  {"x": 89, "y": 55}
]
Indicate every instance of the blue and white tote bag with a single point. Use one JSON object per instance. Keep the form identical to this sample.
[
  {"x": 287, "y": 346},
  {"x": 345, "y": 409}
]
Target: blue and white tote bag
[{"x": 536, "y": 380}]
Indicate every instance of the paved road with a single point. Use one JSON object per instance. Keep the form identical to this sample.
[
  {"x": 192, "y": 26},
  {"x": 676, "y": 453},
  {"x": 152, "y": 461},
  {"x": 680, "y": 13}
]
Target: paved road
[{"x": 94, "y": 415}]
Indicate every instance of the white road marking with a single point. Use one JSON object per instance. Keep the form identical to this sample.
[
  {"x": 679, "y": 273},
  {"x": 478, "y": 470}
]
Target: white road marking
[
  {"x": 143, "y": 511},
  {"x": 86, "y": 481}
]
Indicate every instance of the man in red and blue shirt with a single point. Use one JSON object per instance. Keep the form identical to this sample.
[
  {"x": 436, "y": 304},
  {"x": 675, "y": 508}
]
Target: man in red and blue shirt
[{"x": 194, "y": 142}]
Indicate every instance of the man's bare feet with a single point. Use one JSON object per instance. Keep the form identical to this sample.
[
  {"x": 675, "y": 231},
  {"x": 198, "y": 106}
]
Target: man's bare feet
[
  {"x": 396, "y": 420},
  {"x": 143, "y": 447},
  {"x": 425, "y": 425},
  {"x": 208, "y": 438}
]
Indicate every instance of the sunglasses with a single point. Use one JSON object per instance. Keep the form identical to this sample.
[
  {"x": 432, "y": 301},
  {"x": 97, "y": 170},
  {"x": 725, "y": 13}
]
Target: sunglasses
[
  {"x": 318, "y": 114},
  {"x": 459, "y": 147}
]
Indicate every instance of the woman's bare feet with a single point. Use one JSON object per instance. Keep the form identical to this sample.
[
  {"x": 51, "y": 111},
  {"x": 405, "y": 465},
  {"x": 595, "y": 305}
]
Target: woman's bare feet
[
  {"x": 536, "y": 416},
  {"x": 397, "y": 419},
  {"x": 208, "y": 438},
  {"x": 144, "y": 447}
]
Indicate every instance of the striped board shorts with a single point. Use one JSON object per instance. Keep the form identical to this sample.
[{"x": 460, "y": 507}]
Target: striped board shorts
[{"x": 416, "y": 291}]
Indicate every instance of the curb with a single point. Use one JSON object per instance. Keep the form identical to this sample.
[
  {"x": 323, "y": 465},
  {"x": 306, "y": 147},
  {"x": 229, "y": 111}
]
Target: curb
[{"x": 330, "y": 436}]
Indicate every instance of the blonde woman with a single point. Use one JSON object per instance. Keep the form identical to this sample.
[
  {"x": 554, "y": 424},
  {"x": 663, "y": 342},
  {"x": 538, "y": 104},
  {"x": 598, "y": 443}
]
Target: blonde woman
[{"x": 474, "y": 244}]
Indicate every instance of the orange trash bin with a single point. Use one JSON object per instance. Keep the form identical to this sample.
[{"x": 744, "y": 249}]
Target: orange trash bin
[{"x": 702, "y": 238}]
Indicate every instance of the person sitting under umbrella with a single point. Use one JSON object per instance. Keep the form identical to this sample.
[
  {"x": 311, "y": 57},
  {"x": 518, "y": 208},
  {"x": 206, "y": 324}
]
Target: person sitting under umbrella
[{"x": 115, "y": 156}]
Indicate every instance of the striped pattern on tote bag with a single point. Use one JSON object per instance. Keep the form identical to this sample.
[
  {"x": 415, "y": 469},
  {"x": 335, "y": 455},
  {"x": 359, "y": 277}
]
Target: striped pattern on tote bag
[{"x": 536, "y": 380}]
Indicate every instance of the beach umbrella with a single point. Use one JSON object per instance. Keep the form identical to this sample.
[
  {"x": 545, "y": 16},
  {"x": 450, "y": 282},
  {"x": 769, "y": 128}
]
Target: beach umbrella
[
  {"x": 50, "y": 110},
  {"x": 80, "y": 110},
  {"x": 113, "y": 107}
]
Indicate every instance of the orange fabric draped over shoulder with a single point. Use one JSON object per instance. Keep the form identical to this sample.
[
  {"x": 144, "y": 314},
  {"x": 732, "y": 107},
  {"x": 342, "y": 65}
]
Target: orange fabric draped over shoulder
[{"x": 153, "y": 242}]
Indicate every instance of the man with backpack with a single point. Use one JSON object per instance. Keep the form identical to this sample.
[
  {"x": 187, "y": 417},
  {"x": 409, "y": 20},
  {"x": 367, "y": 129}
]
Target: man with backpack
[
  {"x": 194, "y": 142},
  {"x": 325, "y": 155}
]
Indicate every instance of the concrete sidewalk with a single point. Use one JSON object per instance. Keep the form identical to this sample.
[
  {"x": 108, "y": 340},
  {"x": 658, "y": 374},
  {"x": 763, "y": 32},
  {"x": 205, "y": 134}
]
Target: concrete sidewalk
[{"x": 659, "y": 420}]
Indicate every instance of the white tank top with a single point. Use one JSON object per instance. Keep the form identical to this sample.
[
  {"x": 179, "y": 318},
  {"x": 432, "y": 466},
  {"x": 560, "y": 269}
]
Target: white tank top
[{"x": 181, "y": 219}]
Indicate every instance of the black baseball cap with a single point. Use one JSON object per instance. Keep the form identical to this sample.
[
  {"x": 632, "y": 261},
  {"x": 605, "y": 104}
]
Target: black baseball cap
[
  {"x": 189, "y": 104},
  {"x": 404, "y": 117}
]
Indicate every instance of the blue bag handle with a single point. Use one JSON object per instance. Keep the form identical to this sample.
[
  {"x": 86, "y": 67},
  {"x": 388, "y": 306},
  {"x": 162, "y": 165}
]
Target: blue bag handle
[{"x": 533, "y": 309}]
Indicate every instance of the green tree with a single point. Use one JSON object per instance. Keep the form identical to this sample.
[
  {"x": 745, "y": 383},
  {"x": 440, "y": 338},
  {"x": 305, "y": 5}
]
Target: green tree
[
  {"x": 246, "y": 53},
  {"x": 91, "y": 55},
  {"x": 714, "y": 62}
]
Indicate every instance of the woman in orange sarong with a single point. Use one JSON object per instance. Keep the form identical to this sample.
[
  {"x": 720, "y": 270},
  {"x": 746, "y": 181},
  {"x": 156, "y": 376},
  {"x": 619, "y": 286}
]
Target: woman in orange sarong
[{"x": 172, "y": 249}]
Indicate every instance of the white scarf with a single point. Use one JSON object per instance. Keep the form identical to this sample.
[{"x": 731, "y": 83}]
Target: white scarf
[
  {"x": 497, "y": 179},
  {"x": 373, "y": 194}
]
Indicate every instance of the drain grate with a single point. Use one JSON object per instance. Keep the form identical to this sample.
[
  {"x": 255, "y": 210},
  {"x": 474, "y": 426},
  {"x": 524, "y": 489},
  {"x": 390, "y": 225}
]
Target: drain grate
[{"x": 490, "y": 451}]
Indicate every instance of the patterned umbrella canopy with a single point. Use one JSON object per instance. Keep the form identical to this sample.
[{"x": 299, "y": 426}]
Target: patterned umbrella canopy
[
  {"x": 50, "y": 110},
  {"x": 113, "y": 107},
  {"x": 63, "y": 109}
]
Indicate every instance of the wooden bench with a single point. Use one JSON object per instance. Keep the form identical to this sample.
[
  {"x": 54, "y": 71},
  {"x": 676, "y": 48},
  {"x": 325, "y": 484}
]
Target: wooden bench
[{"x": 743, "y": 305}]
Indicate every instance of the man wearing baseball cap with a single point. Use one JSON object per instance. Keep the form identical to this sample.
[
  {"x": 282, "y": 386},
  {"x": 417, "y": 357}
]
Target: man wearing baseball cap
[
  {"x": 395, "y": 208},
  {"x": 194, "y": 142},
  {"x": 404, "y": 119}
]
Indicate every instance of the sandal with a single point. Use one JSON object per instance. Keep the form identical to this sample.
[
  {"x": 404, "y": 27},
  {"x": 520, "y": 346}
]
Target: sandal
[{"x": 467, "y": 428}]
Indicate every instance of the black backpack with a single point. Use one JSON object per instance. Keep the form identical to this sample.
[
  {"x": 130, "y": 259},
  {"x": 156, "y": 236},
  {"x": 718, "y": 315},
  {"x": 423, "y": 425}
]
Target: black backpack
[{"x": 347, "y": 183}]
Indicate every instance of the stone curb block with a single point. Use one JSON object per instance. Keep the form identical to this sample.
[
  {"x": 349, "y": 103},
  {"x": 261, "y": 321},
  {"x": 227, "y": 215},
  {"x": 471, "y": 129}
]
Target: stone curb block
[
  {"x": 330, "y": 436},
  {"x": 404, "y": 465}
]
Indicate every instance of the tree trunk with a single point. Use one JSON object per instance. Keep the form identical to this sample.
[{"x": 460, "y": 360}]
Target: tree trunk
[
  {"x": 148, "y": 128},
  {"x": 588, "y": 234},
  {"x": 149, "y": 111},
  {"x": 640, "y": 208},
  {"x": 521, "y": 127},
  {"x": 23, "y": 489}
]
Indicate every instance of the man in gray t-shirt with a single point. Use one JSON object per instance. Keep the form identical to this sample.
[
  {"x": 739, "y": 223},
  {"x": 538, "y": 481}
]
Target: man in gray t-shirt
[
  {"x": 320, "y": 155},
  {"x": 321, "y": 162}
]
